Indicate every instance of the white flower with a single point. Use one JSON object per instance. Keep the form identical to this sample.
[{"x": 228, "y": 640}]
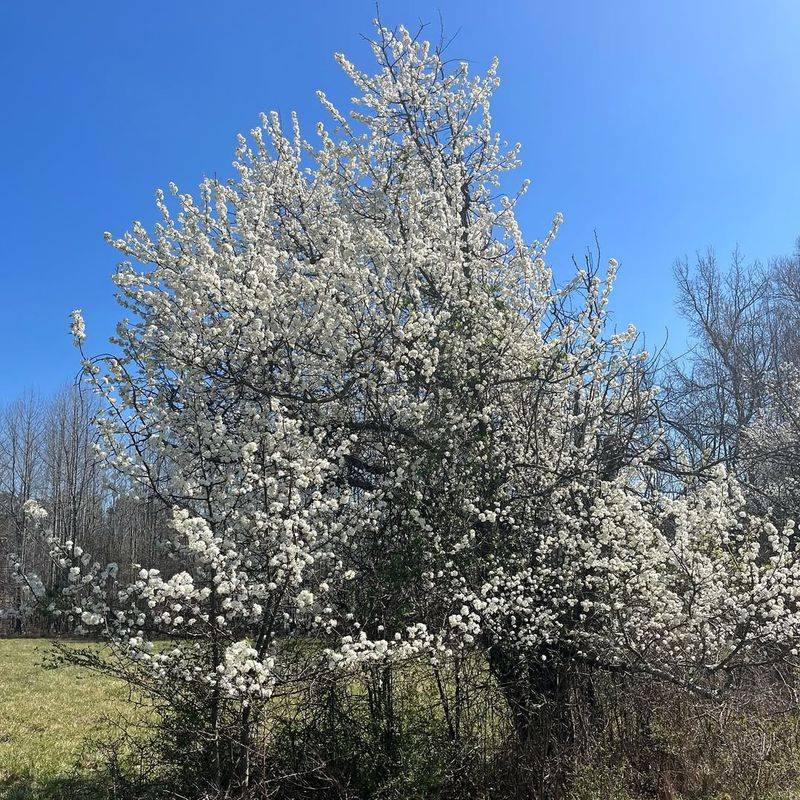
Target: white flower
[
  {"x": 91, "y": 618},
  {"x": 77, "y": 327},
  {"x": 32, "y": 509}
]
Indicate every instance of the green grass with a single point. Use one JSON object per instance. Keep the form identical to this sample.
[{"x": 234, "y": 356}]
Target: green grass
[{"x": 45, "y": 717}]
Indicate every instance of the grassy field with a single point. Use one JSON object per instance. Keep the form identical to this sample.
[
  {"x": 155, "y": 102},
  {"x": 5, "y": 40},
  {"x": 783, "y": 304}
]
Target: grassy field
[{"x": 45, "y": 716}]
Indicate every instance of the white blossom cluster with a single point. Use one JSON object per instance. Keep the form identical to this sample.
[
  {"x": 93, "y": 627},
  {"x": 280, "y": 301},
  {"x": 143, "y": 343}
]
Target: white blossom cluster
[
  {"x": 771, "y": 444},
  {"x": 245, "y": 673},
  {"x": 77, "y": 327}
]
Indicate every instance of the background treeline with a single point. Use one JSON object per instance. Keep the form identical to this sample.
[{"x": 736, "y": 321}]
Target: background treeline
[
  {"x": 47, "y": 452},
  {"x": 732, "y": 398}
]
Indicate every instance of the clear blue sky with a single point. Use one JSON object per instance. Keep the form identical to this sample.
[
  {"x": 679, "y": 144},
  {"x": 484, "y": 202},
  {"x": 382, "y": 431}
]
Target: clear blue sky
[{"x": 664, "y": 126}]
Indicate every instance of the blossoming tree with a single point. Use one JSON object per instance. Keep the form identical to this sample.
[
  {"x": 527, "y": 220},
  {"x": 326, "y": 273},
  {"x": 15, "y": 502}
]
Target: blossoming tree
[{"x": 382, "y": 427}]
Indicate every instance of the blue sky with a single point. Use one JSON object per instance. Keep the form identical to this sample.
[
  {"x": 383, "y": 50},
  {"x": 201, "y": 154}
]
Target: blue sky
[{"x": 665, "y": 127}]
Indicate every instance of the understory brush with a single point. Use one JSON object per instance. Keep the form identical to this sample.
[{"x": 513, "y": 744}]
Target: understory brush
[{"x": 418, "y": 731}]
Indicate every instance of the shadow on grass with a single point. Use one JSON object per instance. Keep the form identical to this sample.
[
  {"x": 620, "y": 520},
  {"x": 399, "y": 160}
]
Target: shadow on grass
[
  {"x": 31, "y": 787},
  {"x": 63, "y": 787}
]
